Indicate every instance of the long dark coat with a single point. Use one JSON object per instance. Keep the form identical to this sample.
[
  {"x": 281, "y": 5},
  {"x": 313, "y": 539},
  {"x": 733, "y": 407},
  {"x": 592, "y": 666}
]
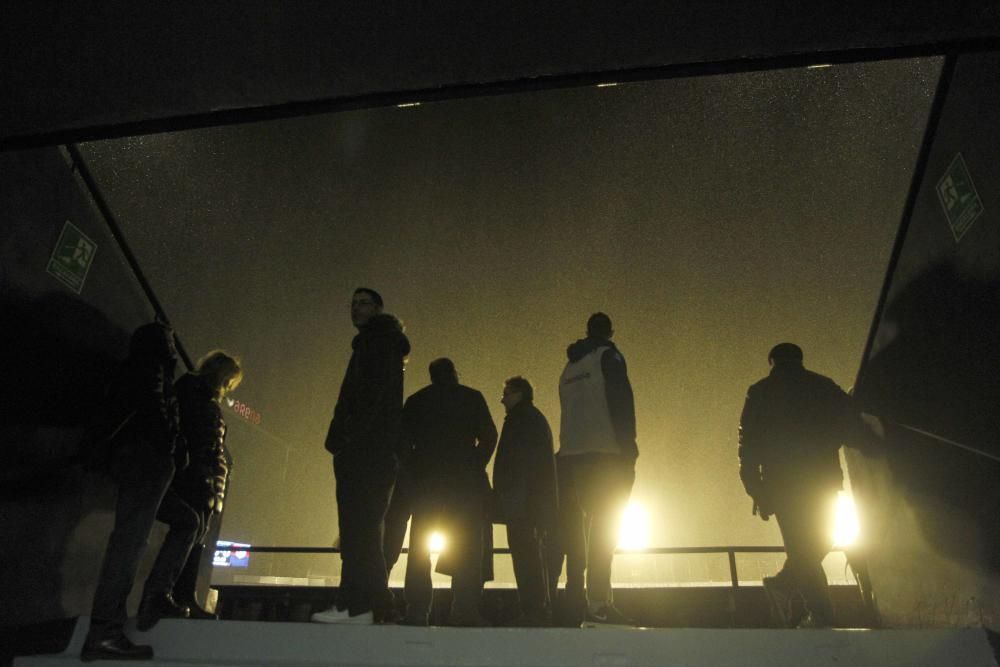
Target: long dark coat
[
  {"x": 452, "y": 439},
  {"x": 524, "y": 475}
]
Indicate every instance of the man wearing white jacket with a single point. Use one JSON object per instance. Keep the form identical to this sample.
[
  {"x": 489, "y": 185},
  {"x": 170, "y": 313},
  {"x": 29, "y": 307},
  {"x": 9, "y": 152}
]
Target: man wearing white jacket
[{"x": 596, "y": 466}]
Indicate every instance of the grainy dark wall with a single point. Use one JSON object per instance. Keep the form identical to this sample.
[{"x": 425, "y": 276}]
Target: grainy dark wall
[
  {"x": 57, "y": 349},
  {"x": 68, "y": 67},
  {"x": 931, "y": 507}
]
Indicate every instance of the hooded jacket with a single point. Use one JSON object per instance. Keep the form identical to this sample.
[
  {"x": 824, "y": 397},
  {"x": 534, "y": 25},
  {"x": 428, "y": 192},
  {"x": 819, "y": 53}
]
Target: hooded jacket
[
  {"x": 598, "y": 406},
  {"x": 367, "y": 420}
]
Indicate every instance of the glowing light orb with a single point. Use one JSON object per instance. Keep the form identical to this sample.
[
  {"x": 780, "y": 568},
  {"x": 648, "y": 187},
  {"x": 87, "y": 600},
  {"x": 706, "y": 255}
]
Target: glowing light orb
[
  {"x": 634, "y": 530},
  {"x": 436, "y": 543},
  {"x": 846, "y": 527}
]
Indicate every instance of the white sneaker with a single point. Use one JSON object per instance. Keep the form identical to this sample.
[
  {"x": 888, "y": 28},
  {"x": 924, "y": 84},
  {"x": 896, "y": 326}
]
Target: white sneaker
[{"x": 334, "y": 615}]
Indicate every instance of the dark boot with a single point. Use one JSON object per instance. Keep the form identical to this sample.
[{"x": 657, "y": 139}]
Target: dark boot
[
  {"x": 571, "y": 609},
  {"x": 187, "y": 582},
  {"x": 156, "y": 606},
  {"x": 468, "y": 620},
  {"x": 198, "y": 613},
  {"x": 115, "y": 647},
  {"x": 535, "y": 618},
  {"x": 787, "y": 607},
  {"x": 418, "y": 620},
  {"x": 467, "y": 617}
]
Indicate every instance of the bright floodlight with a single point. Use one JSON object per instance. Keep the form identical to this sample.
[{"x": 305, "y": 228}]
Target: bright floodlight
[
  {"x": 634, "y": 530},
  {"x": 436, "y": 543},
  {"x": 846, "y": 527}
]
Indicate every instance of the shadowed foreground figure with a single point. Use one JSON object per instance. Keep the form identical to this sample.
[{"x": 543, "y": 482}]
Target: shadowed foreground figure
[
  {"x": 196, "y": 493},
  {"x": 453, "y": 438},
  {"x": 365, "y": 438},
  {"x": 136, "y": 438},
  {"x": 791, "y": 429}
]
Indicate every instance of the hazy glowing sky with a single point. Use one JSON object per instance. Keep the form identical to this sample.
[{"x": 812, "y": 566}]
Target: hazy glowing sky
[{"x": 710, "y": 217}]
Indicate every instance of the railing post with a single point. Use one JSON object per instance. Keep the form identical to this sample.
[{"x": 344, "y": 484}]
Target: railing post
[{"x": 734, "y": 577}]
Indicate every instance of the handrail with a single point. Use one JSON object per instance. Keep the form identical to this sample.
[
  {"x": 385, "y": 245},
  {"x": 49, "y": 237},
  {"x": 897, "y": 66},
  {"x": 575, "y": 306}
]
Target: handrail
[
  {"x": 505, "y": 550},
  {"x": 953, "y": 443},
  {"x": 730, "y": 551},
  {"x": 79, "y": 164}
]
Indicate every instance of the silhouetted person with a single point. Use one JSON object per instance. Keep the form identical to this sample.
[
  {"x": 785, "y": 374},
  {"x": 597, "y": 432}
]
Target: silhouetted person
[
  {"x": 453, "y": 438},
  {"x": 365, "y": 438},
  {"x": 141, "y": 434},
  {"x": 596, "y": 467},
  {"x": 524, "y": 482},
  {"x": 195, "y": 494},
  {"x": 791, "y": 429}
]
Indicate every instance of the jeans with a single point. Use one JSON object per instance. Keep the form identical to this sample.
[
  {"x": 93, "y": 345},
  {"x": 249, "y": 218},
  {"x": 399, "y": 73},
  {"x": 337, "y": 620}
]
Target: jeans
[
  {"x": 594, "y": 490},
  {"x": 363, "y": 489},
  {"x": 805, "y": 520},
  {"x": 530, "y": 569},
  {"x": 187, "y": 528},
  {"x": 143, "y": 476}
]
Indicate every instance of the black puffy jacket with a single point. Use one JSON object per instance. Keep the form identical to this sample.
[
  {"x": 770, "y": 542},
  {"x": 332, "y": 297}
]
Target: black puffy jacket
[{"x": 203, "y": 482}]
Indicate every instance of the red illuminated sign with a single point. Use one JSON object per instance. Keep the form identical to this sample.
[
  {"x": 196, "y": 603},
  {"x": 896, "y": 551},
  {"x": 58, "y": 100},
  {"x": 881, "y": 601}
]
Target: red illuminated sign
[{"x": 245, "y": 411}]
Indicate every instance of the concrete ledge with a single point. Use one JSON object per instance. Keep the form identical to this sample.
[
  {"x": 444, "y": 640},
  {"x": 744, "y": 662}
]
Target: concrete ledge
[{"x": 260, "y": 643}]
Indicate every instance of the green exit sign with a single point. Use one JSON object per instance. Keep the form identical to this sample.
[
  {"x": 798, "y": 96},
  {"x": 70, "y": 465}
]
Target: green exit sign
[
  {"x": 958, "y": 197},
  {"x": 72, "y": 257}
]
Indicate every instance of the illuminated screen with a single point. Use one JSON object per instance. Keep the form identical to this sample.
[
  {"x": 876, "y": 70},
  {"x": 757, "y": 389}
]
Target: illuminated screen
[{"x": 231, "y": 554}]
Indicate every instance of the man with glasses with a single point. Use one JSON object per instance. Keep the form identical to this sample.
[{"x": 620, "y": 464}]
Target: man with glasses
[{"x": 524, "y": 479}]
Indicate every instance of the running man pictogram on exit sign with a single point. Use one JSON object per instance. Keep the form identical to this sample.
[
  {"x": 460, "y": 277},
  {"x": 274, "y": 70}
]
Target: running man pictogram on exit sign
[
  {"x": 958, "y": 197},
  {"x": 72, "y": 257}
]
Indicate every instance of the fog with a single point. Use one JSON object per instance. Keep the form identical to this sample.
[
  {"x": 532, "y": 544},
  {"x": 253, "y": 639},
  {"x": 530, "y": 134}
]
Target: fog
[{"x": 710, "y": 217}]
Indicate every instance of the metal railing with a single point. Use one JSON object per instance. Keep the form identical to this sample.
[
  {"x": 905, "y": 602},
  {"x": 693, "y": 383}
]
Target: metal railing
[{"x": 730, "y": 552}]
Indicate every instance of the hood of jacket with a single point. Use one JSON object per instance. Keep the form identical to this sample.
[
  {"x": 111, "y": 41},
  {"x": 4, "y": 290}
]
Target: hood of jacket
[
  {"x": 154, "y": 340},
  {"x": 584, "y": 346},
  {"x": 383, "y": 324}
]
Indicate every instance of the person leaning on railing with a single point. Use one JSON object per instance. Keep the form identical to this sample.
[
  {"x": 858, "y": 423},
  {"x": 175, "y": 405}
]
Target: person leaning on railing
[{"x": 196, "y": 493}]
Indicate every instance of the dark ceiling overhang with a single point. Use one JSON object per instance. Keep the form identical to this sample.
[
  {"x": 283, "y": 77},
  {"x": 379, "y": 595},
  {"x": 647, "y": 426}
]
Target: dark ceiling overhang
[{"x": 75, "y": 71}]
